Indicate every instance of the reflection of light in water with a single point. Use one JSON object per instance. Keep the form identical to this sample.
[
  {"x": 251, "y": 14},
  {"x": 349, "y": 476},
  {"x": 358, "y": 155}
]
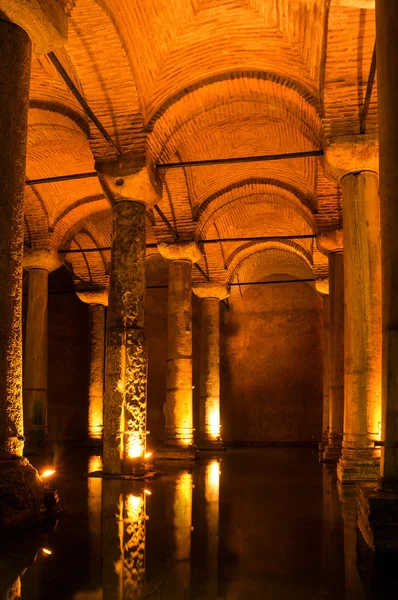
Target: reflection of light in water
[
  {"x": 135, "y": 447},
  {"x": 213, "y": 475},
  {"x": 183, "y": 516},
  {"x": 134, "y": 506},
  {"x": 214, "y": 422},
  {"x": 94, "y": 464},
  {"x": 212, "y": 497}
]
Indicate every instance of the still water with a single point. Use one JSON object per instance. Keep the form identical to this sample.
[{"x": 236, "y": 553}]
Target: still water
[{"x": 247, "y": 524}]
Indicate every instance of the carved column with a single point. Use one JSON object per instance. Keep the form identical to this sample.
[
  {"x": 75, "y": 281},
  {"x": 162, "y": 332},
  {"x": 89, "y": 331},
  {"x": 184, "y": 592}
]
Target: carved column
[
  {"x": 179, "y": 409},
  {"x": 209, "y": 409},
  {"x": 38, "y": 263},
  {"x": 322, "y": 286},
  {"x": 131, "y": 190},
  {"x": 332, "y": 245},
  {"x": 353, "y": 160},
  {"x": 97, "y": 301},
  {"x": 15, "y": 58}
]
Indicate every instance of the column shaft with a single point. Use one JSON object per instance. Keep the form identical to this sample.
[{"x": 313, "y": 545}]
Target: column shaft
[
  {"x": 362, "y": 328},
  {"x": 126, "y": 351},
  {"x": 15, "y": 58},
  {"x": 179, "y": 412},
  {"x": 209, "y": 408},
  {"x": 97, "y": 364},
  {"x": 35, "y": 360},
  {"x": 326, "y": 372},
  {"x": 387, "y": 76},
  {"x": 336, "y": 324}
]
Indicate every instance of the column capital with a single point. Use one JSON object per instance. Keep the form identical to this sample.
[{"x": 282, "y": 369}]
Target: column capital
[
  {"x": 135, "y": 181},
  {"x": 322, "y": 286},
  {"x": 94, "y": 296},
  {"x": 218, "y": 291},
  {"x": 180, "y": 251},
  {"x": 45, "y": 21},
  {"x": 350, "y": 154},
  {"x": 41, "y": 258},
  {"x": 331, "y": 241}
]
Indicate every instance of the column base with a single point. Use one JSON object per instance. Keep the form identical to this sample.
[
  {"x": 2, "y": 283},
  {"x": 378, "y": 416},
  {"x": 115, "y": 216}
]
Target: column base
[
  {"x": 21, "y": 493},
  {"x": 332, "y": 451},
  {"x": 214, "y": 445},
  {"x": 170, "y": 452},
  {"x": 378, "y": 518},
  {"x": 37, "y": 442},
  {"x": 352, "y": 471}
]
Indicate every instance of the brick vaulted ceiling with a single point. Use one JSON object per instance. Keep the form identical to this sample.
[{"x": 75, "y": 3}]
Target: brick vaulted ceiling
[{"x": 181, "y": 80}]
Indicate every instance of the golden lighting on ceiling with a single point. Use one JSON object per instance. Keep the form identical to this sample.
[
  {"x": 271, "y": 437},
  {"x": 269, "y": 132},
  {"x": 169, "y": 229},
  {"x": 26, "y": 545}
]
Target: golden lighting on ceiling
[{"x": 47, "y": 473}]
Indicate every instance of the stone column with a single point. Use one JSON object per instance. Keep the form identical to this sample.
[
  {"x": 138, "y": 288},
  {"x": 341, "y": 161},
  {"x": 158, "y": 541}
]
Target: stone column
[
  {"x": 131, "y": 190},
  {"x": 38, "y": 263},
  {"x": 179, "y": 410},
  {"x": 97, "y": 301},
  {"x": 353, "y": 161},
  {"x": 209, "y": 437},
  {"x": 387, "y": 80},
  {"x": 15, "y": 59},
  {"x": 322, "y": 286},
  {"x": 362, "y": 328},
  {"x": 332, "y": 245}
]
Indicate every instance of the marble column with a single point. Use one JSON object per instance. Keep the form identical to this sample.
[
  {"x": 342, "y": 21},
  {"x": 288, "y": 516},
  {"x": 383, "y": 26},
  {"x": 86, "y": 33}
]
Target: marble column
[
  {"x": 15, "y": 60},
  {"x": 209, "y": 436},
  {"x": 39, "y": 264},
  {"x": 97, "y": 301},
  {"x": 362, "y": 328},
  {"x": 332, "y": 245},
  {"x": 322, "y": 286},
  {"x": 131, "y": 190},
  {"x": 178, "y": 443}
]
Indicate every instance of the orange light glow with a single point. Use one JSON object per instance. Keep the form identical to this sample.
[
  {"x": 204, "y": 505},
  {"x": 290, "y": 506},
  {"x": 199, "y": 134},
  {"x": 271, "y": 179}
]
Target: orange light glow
[
  {"x": 47, "y": 473},
  {"x": 148, "y": 492},
  {"x": 135, "y": 447},
  {"x": 148, "y": 455},
  {"x": 94, "y": 464},
  {"x": 214, "y": 422},
  {"x": 213, "y": 474},
  {"x": 134, "y": 506},
  {"x": 46, "y": 551}
]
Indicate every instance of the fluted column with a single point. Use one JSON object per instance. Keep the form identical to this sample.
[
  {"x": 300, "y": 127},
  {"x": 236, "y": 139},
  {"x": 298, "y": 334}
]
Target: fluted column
[
  {"x": 179, "y": 407},
  {"x": 209, "y": 436},
  {"x": 131, "y": 190},
  {"x": 332, "y": 245},
  {"x": 322, "y": 286},
  {"x": 15, "y": 59},
  {"x": 97, "y": 301},
  {"x": 39, "y": 264}
]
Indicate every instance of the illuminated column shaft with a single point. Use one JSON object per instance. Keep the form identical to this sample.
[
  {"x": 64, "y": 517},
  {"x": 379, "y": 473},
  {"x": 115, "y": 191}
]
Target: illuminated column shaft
[
  {"x": 179, "y": 409},
  {"x": 130, "y": 191},
  {"x": 209, "y": 407},
  {"x": 38, "y": 263},
  {"x": 15, "y": 59},
  {"x": 362, "y": 328},
  {"x": 126, "y": 351},
  {"x": 331, "y": 244},
  {"x": 387, "y": 90},
  {"x": 97, "y": 300}
]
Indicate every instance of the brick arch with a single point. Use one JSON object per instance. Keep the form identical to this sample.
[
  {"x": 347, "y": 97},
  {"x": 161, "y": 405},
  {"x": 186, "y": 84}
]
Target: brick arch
[
  {"x": 228, "y": 98},
  {"x": 264, "y": 260}
]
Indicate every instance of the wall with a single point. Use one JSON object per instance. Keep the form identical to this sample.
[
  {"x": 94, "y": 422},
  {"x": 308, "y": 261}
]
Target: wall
[{"x": 271, "y": 365}]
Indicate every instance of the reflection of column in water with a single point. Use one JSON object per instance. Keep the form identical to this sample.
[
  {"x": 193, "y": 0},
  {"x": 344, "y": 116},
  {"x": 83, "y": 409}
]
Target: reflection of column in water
[
  {"x": 332, "y": 543},
  {"x": 348, "y": 499},
  {"x": 212, "y": 497},
  {"x": 179, "y": 519},
  {"x": 123, "y": 540},
  {"x": 94, "y": 500}
]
